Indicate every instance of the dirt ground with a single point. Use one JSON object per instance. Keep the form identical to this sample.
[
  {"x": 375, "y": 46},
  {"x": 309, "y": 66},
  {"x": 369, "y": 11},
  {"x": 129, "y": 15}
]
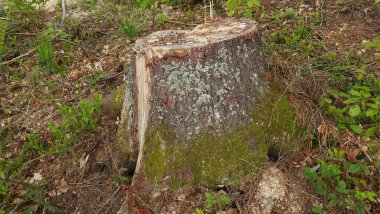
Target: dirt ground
[{"x": 77, "y": 185}]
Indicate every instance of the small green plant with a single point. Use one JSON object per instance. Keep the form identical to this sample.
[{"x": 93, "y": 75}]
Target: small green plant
[
  {"x": 161, "y": 17},
  {"x": 198, "y": 211},
  {"x": 244, "y": 7},
  {"x": 131, "y": 29},
  {"x": 3, "y": 27},
  {"x": 118, "y": 177},
  {"x": 75, "y": 120},
  {"x": 317, "y": 209},
  {"x": 93, "y": 79},
  {"x": 356, "y": 105},
  {"x": 27, "y": 6},
  {"x": 46, "y": 54},
  {"x": 11, "y": 175},
  {"x": 344, "y": 184},
  {"x": 213, "y": 199}
]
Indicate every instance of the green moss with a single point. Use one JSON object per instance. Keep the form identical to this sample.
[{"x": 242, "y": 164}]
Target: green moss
[
  {"x": 226, "y": 157},
  {"x": 373, "y": 149},
  {"x": 123, "y": 141}
]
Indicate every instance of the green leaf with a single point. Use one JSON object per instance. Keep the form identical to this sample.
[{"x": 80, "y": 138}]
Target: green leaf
[
  {"x": 357, "y": 129},
  {"x": 256, "y": 2},
  {"x": 317, "y": 209},
  {"x": 371, "y": 112},
  {"x": 354, "y": 110},
  {"x": 377, "y": 164},
  {"x": 354, "y": 168},
  {"x": 371, "y": 131},
  {"x": 342, "y": 184},
  {"x": 332, "y": 203},
  {"x": 199, "y": 211},
  {"x": 309, "y": 174},
  {"x": 320, "y": 187},
  {"x": 250, "y": 3},
  {"x": 351, "y": 100},
  {"x": 355, "y": 93}
]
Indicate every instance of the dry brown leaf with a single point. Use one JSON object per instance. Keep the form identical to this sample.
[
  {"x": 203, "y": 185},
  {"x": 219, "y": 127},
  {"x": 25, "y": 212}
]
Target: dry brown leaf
[{"x": 352, "y": 154}]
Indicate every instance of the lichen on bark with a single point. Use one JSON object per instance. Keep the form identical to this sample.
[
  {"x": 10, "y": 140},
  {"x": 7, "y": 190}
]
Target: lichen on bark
[{"x": 221, "y": 158}]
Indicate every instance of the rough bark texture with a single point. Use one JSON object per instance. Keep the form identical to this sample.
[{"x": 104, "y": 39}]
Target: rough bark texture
[{"x": 186, "y": 87}]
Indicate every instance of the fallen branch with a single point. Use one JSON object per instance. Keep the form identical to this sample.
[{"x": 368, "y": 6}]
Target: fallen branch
[
  {"x": 19, "y": 57},
  {"x": 79, "y": 95},
  {"x": 113, "y": 195},
  {"x": 135, "y": 195},
  {"x": 111, "y": 77}
]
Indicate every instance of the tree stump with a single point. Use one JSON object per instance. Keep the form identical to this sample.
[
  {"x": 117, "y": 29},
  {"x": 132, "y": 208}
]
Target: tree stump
[{"x": 189, "y": 103}]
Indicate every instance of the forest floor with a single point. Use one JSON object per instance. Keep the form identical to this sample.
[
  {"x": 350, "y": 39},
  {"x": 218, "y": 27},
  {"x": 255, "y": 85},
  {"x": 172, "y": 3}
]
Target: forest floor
[{"x": 56, "y": 148}]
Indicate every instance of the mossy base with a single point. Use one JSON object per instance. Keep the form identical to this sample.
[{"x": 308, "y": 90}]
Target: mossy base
[{"x": 214, "y": 157}]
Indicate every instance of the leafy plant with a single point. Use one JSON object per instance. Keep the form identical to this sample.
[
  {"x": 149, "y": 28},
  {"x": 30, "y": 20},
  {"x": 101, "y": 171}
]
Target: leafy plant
[
  {"x": 75, "y": 120},
  {"x": 244, "y": 7},
  {"x": 213, "y": 199},
  {"x": 11, "y": 170},
  {"x": 198, "y": 211},
  {"x": 46, "y": 54},
  {"x": 356, "y": 105},
  {"x": 3, "y": 27},
  {"x": 93, "y": 79},
  {"x": 118, "y": 177},
  {"x": 27, "y": 5},
  {"x": 345, "y": 184}
]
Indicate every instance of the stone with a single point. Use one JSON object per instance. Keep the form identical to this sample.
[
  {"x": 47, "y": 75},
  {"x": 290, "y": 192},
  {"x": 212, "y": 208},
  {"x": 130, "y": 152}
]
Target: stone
[{"x": 275, "y": 193}]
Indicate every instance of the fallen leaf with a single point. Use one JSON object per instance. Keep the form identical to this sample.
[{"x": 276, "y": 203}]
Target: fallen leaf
[
  {"x": 352, "y": 154},
  {"x": 62, "y": 187}
]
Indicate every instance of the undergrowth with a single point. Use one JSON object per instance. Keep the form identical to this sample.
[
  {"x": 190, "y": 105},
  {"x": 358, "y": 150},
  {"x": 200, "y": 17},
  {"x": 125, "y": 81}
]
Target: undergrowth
[
  {"x": 344, "y": 184},
  {"x": 75, "y": 122}
]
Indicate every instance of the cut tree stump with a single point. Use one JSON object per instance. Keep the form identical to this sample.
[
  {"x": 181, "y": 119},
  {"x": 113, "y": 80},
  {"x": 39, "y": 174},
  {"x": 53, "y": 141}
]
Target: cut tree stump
[{"x": 189, "y": 103}]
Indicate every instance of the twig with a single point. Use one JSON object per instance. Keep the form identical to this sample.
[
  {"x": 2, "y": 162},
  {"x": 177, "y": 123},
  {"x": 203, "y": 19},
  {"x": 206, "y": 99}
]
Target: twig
[
  {"x": 111, "y": 77},
  {"x": 79, "y": 95},
  {"x": 19, "y": 57},
  {"x": 300, "y": 190},
  {"x": 113, "y": 195},
  {"x": 321, "y": 11},
  {"x": 18, "y": 182},
  {"x": 84, "y": 168},
  {"x": 63, "y": 11},
  {"x": 252, "y": 165},
  {"x": 135, "y": 195},
  {"x": 360, "y": 146}
]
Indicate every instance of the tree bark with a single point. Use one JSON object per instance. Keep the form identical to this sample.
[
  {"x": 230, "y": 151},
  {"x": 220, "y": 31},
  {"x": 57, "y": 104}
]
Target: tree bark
[{"x": 194, "y": 82}]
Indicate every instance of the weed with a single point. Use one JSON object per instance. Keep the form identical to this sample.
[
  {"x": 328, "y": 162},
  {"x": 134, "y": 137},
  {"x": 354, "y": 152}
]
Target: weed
[
  {"x": 347, "y": 185},
  {"x": 118, "y": 178},
  {"x": 75, "y": 120},
  {"x": 131, "y": 29},
  {"x": 356, "y": 105},
  {"x": 198, "y": 211},
  {"x": 11, "y": 171},
  {"x": 213, "y": 199},
  {"x": 93, "y": 79},
  {"x": 162, "y": 18},
  {"x": 46, "y": 54},
  {"x": 243, "y": 7},
  {"x": 3, "y": 27}
]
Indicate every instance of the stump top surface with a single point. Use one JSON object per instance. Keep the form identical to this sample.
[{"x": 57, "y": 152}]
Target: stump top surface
[{"x": 201, "y": 35}]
